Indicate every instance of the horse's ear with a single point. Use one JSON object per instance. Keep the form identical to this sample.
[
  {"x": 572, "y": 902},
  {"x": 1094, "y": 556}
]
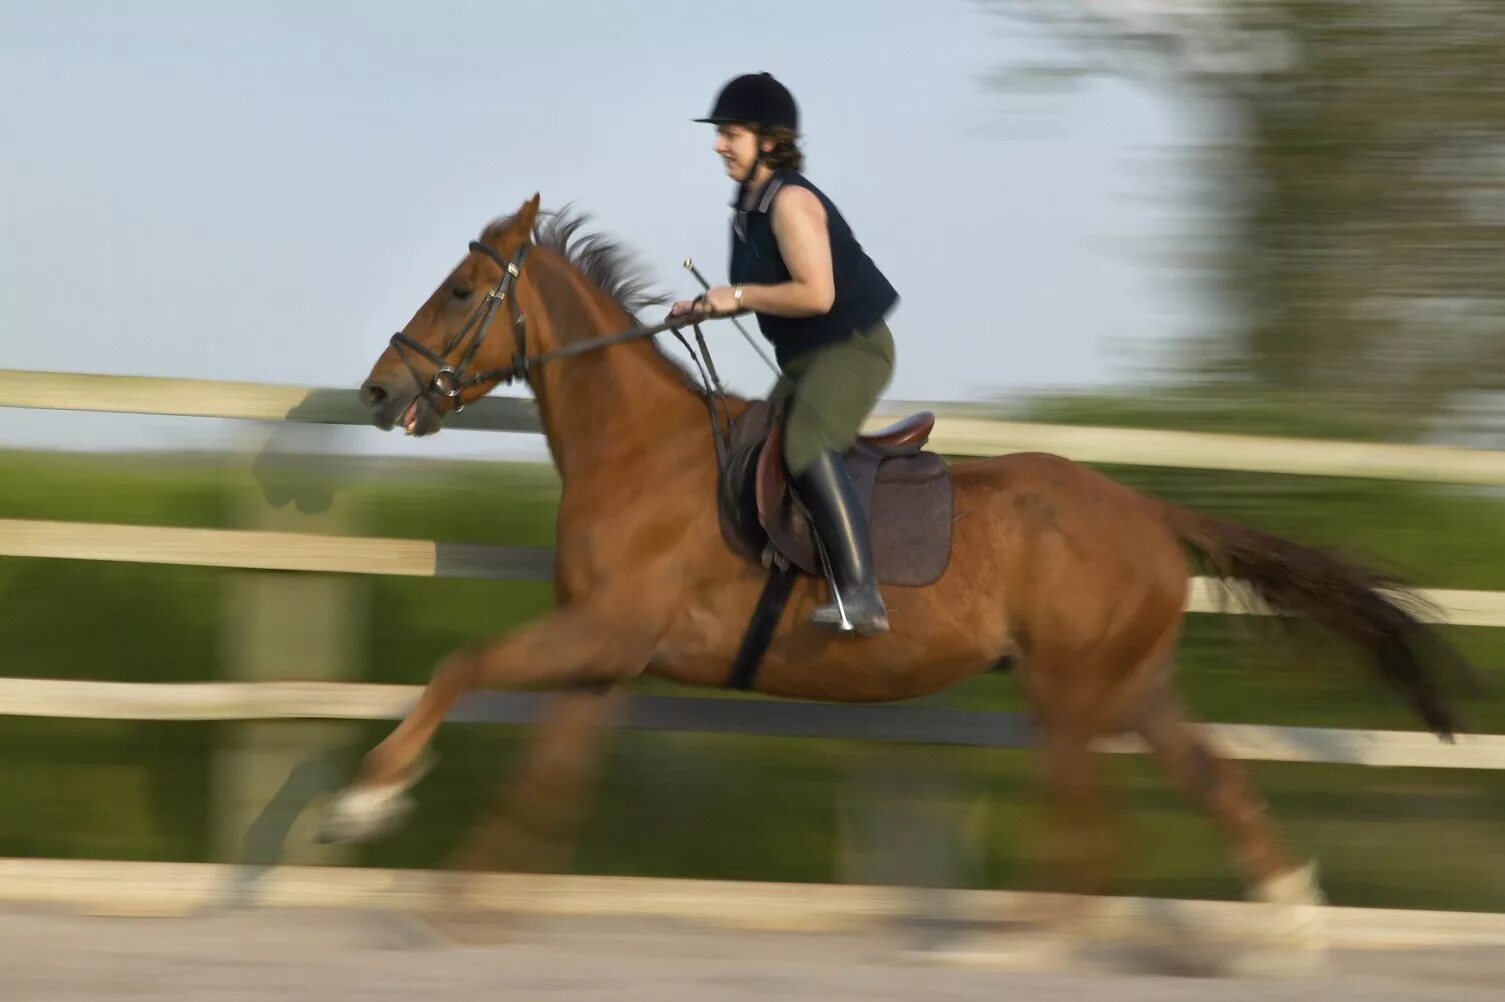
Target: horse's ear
[{"x": 521, "y": 229}]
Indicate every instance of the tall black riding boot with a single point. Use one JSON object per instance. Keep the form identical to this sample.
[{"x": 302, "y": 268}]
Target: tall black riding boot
[{"x": 828, "y": 495}]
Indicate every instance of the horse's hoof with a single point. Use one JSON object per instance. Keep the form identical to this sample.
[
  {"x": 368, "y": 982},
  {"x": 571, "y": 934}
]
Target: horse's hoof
[
  {"x": 362, "y": 815},
  {"x": 1290, "y": 939},
  {"x": 1015, "y": 951},
  {"x": 1280, "y": 963}
]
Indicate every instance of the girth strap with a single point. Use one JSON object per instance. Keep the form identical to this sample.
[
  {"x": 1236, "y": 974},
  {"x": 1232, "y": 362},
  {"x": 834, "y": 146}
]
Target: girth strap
[{"x": 765, "y": 619}]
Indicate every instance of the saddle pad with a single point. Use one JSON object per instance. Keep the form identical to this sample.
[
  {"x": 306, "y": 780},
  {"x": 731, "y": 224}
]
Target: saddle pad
[{"x": 908, "y": 499}]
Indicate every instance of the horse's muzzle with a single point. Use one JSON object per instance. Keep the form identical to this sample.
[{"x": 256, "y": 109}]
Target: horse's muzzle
[{"x": 384, "y": 404}]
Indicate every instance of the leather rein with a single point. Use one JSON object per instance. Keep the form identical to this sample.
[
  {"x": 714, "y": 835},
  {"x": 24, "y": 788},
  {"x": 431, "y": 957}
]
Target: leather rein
[{"x": 450, "y": 380}]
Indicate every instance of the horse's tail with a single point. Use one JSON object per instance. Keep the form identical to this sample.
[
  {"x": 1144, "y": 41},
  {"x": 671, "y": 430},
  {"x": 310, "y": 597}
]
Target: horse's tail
[{"x": 1371, "y": 608}]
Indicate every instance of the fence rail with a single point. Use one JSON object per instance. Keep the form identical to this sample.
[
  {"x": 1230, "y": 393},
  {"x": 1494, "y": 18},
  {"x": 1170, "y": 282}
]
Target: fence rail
[
  {"x": 956, "y": 434},
  {"x": 928, "y": 725},
  {"x": 76, "y": 391},
  {"x": 116, "y": 887},
  {"x": 258, "y": 549},
  {"x": 304, "y": 551}
]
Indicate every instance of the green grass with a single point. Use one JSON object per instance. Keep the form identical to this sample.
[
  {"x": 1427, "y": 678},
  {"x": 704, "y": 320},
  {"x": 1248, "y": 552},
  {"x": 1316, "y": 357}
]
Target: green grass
[
  {"x": 729, "y": 807},
  {"x": 105, "y": 789},
  {"x": 721, "y": 806}
]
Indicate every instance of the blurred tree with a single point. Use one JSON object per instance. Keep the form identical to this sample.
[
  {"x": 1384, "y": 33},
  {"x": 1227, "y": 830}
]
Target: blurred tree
[{"x": 1362, "y": 172}]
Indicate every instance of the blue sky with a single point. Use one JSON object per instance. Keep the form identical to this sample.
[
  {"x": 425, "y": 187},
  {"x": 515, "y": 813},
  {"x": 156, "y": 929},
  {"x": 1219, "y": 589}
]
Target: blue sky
[{"x": 266, "y": 191}]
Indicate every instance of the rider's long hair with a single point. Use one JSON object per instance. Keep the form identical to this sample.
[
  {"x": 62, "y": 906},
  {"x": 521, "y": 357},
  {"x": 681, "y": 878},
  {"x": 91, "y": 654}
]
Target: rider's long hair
[{"x": 786, "y": 153}]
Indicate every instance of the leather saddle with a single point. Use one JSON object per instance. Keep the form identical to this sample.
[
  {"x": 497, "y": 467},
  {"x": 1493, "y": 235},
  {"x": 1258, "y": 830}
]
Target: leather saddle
[{"x": 905, "y": 491}]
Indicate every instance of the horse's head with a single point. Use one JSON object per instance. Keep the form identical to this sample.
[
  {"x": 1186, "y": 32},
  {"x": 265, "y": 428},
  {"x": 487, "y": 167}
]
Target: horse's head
[{"x": 460, "y": 342}]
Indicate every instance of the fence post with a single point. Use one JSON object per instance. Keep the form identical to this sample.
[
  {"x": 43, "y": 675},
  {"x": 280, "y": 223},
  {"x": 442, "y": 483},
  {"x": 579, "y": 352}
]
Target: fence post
[{"x": 284, "y": 625}]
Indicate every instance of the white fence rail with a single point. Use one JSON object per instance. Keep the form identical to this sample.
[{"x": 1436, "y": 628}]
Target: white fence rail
[
  {"x": 125, "y": 888},
  {"x": 303, "y": 551},
  {"x": 957, "y": 435},
  {"x": 266, "y": 550},
  {"x": 182, "y": 701}
]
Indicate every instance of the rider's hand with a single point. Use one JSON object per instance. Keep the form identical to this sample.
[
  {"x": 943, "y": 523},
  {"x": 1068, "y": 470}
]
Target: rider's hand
[
  {"x": 714, "y": 303},
  {"x": 719, "y": 301}
]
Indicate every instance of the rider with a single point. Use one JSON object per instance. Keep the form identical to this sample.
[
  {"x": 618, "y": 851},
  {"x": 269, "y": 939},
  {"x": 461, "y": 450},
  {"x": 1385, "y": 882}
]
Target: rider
[{"x": 821, "y": 302}]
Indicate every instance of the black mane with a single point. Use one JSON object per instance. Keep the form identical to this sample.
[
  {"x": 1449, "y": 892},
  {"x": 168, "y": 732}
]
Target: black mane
[
  {"x": 603, "y": 260},
  {"x": 606, "y": 263}
]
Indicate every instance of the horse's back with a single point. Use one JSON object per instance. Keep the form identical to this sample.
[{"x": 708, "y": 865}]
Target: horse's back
[
  {"x": 1047, "y": 474},
  {"x": 1064, "y": 526}
]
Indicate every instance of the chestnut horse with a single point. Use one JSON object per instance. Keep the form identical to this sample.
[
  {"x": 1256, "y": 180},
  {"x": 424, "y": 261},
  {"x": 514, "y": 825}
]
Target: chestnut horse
[{"x": 1080, "y": 580}]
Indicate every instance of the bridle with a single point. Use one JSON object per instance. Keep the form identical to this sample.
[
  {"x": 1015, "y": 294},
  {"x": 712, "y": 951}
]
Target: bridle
[{"x": 451, "y": 380}]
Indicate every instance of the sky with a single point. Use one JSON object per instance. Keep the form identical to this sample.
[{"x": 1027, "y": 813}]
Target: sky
[{"x": 266, "y": 191}]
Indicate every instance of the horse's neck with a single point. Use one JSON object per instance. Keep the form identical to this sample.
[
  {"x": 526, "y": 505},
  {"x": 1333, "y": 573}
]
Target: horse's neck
[{"x": 608, "y": 406}]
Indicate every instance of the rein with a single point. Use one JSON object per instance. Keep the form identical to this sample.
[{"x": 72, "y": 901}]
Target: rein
[{"x": 452, "y": 380}]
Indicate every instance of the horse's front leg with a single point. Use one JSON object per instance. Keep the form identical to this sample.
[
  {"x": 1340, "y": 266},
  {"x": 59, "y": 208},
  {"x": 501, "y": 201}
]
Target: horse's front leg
[
  {"x": 532, "y": 822},
  {"x": 569, "y": 649}
]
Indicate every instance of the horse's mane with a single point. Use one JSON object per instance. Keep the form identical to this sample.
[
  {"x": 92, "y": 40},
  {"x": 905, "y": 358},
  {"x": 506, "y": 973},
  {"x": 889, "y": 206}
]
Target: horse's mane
[
  {"x": 601, "y": 259},
  {"x": 605, "y": 262}
]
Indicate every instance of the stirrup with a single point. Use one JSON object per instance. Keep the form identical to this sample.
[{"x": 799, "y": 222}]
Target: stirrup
[{"x": 834, "y": 612}]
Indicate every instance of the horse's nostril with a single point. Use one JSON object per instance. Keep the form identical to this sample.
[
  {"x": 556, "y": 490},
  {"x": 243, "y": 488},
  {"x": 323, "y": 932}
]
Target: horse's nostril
[{"x": 371, "y": 394}]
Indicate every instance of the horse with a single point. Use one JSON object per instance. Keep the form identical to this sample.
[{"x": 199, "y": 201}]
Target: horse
[{"x": 1078, "y": 581}]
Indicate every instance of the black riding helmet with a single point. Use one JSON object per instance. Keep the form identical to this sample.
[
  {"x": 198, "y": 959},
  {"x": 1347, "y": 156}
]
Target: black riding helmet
[{"x": 755, "y": 99}]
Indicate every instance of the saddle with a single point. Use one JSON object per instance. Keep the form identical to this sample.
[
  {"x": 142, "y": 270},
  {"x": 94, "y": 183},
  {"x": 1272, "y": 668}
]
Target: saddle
[{"x": 906, "y": 494}]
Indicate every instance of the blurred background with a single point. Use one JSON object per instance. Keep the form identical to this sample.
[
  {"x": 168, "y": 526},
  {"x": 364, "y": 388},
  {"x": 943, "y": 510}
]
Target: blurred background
[{"x": 1281, "y": 218}]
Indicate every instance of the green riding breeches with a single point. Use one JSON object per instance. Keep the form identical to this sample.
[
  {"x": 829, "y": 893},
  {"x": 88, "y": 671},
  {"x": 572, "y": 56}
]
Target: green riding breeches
[{"x": 831, "y": 391}]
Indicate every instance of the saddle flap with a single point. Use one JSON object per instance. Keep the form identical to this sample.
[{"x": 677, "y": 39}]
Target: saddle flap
[
  {"x": 737, "y": 504},
  {"x": 772, "y": 483},
  {"x": 905, "y": 492}
]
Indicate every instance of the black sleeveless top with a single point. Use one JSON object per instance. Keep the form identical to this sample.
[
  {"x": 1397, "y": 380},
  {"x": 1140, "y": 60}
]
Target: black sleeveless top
[{"x": 863, "y": 295}]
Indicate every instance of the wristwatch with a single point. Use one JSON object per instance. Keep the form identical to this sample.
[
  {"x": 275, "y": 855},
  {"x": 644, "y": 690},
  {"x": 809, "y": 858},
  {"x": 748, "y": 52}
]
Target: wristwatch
[{"x": 737, "y": 296}]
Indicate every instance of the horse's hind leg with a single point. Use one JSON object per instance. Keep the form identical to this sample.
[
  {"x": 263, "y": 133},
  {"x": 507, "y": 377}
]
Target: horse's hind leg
[
  {"x": 1080, "y": 848},
  {"x": 1082, "y": 840},
  {"x": 1221, "y": 788}
]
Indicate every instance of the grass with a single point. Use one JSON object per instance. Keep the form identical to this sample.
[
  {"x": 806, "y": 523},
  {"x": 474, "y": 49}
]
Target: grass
[
  {"x": 723, "y": 806},
  {"x": 730, "y": 807}
]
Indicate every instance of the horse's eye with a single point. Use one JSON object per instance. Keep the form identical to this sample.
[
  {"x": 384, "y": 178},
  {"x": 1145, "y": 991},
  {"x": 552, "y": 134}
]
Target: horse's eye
[{"x": 460, "y": 293}]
